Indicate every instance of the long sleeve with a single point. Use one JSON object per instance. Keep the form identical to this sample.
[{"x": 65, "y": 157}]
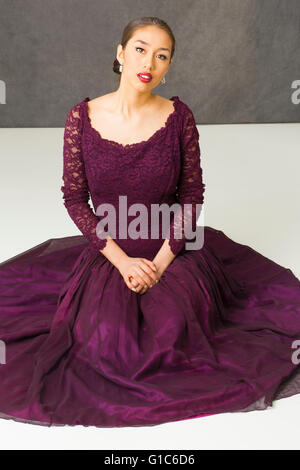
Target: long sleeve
[
  {"x": 190, "y": 188},
  {"x": 75, "y": 189}
]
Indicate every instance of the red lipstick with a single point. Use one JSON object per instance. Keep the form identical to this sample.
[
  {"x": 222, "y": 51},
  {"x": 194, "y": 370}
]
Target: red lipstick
[{"x": 145, "y": 77}]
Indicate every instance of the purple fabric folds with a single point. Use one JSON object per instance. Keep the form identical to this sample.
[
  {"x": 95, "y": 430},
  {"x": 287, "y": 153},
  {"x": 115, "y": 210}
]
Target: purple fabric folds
[{"x": 214, "y": 335}]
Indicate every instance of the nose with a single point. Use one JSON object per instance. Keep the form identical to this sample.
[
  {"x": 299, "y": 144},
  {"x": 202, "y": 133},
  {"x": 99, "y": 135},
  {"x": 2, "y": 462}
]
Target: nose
[{"x": 148, "y": 66}]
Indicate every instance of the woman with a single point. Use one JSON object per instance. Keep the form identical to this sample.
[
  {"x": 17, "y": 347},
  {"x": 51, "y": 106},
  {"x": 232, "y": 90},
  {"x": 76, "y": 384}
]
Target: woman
[{"x": 115, "y": 330}]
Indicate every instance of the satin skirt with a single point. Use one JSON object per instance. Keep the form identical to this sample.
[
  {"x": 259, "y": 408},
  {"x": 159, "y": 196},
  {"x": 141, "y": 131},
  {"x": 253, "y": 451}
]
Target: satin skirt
[{"x": 216, "y": 334}]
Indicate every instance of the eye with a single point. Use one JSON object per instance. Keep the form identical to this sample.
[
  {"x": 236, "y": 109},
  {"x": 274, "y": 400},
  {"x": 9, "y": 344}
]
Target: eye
[{"x": 144, "y": 49}]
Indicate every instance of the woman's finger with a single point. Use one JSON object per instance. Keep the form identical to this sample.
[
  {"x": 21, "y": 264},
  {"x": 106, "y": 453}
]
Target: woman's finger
[
  {"x": 148, "y": 269},
  {"x": 150, "y": 264},
  {"x": 142, "y": 277},
  {"x": 145, "y": 289},
  {"x": 133, "y": 281},
  {"x": 150, "y": 273},
  {"x": 134, "y": 285}
]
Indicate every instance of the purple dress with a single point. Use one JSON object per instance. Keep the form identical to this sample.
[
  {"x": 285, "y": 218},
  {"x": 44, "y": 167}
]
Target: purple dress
[{"x": 216, "y": 334}]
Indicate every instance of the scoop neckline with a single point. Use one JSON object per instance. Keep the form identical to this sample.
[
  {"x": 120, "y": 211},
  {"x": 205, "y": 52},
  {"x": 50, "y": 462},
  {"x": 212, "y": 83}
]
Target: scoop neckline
[{"x": 134, "y": 145}]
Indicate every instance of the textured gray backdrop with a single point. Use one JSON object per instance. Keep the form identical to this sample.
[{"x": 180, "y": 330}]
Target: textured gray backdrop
[{"x": 237, "y": 61}]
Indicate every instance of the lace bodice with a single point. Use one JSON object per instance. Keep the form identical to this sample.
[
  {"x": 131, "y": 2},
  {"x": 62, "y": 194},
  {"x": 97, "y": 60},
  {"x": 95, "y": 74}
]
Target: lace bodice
[{"x": 162, "y": 169}]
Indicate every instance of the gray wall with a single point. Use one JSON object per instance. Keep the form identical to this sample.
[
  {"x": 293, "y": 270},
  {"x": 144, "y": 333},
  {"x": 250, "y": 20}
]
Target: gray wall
[{"x": 237, "y": 61}]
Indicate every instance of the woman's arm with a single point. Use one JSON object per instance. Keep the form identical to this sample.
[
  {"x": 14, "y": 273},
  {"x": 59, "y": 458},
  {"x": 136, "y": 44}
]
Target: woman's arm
[
  {"x": 190, "y": 191},
  {"x": 76, "y": 192}
]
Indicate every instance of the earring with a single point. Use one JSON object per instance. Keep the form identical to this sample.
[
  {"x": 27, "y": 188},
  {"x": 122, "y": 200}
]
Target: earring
[
  {"x": 163, "y": 80},
  {"x": 121, "y": 67}
]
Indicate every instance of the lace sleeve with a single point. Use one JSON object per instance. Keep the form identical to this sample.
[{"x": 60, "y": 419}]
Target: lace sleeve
[
  {"x": 75, "y": 189},
  {"x": 190, "y": 187}
]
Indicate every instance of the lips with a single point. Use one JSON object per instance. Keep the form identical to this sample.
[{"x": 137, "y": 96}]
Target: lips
[{"x": 142, "y": 77}]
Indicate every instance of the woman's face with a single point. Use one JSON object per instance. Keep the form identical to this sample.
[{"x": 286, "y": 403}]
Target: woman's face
[{"x": 148, "y": 51}]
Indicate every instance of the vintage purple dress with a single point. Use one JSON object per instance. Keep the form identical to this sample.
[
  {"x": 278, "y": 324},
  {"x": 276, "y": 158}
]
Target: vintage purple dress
[{"x": 214, "y": 335}]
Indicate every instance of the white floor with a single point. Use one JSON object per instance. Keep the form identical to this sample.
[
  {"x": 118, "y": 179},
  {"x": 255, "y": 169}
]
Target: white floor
[{"x": 252, "y": 194}]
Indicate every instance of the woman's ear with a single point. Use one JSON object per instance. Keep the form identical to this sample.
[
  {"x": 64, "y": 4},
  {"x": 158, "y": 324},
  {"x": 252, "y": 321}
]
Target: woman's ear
[{"x": 120, "y": 53}]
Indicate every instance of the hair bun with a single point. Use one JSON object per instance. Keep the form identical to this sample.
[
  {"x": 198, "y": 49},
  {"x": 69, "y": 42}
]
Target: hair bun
[{"x": 116, "y": 66}]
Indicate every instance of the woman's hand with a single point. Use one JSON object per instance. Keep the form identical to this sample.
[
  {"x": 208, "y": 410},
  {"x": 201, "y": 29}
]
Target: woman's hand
[{"x": 138, "y": 273}]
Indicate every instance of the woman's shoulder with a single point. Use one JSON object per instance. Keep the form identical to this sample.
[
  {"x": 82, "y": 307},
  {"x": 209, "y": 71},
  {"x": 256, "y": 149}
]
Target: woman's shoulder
[
  {"x": 105, "y": 101},
  {"x": 74, "y": 115},
  {"x": 177, "y": 109},
  {"x": 181, "y": 108},
  {"x": 185, "y": 108},
  {"x": 75, "y": 111}
]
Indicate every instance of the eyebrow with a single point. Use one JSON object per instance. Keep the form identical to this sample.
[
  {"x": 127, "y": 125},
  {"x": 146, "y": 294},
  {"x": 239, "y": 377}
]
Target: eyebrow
[{"x": 159, "y": 49}]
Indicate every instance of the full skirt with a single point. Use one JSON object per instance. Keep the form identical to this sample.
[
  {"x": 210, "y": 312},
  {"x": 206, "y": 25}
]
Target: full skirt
[{"x": 218, "y": 333}]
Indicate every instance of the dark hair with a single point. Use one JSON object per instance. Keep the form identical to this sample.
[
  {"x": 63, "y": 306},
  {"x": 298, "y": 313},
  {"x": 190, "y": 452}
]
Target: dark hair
[{"x": 137, "y": 23}]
